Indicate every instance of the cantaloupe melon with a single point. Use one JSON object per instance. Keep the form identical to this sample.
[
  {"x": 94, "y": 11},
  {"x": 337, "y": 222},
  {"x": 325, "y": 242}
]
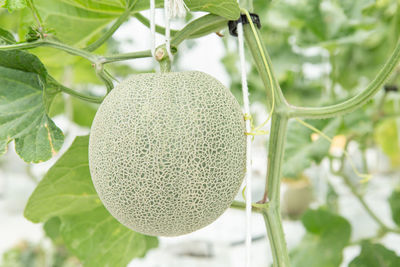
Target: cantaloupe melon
[{"x": 167, "y": 152}]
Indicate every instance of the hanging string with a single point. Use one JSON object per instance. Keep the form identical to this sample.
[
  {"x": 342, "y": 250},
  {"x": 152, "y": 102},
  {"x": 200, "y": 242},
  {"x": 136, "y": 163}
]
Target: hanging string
[
  {"x": 246, "y": 106},
  {"x": 168, "y": 15},
  {"x": 153, "y": 27},
  {"x": 396, "y": 103}
]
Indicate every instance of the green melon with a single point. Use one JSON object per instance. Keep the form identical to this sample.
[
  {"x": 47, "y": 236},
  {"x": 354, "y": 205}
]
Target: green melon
[{"x": 167, "y": 152}]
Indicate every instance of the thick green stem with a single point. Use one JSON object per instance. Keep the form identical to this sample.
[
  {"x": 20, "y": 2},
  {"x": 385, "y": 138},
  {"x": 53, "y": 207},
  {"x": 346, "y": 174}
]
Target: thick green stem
[
  {"x": 356, "y": 101},
  {"x": 276, "y": 151},
  {"x": 272, "y": 215},
  {"x": 76, "y": 94},
  {"x": 276, "y": 236},
  {"x": 101, "y": 73},
  {"x": 57, "y": 45},
  {"x": 161, "y": 55},
  {"x": 242, "y": 206},
  {"x": 275, "y": 90},
  {"x": 126, "y": 56},
  {"x": 124, "y": 16},
  {"x": 277, "y": 103}
]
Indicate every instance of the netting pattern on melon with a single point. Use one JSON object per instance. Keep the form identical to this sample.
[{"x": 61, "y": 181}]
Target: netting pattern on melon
[{"x": 167, "y": 152}]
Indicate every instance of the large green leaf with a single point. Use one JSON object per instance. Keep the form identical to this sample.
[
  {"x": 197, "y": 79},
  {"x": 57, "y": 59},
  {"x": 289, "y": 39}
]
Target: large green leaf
[
  {"x": 13, "y": 5},
  {"x": 66, "y": 188},
  {"x": 6, "y": 37},
  {"x": 394, "y": 201},
  {"x": 86, "y": 227},
  {"x": 386, "y": 137},
  {"x": 23, "y": 102},
  {"x": 52, "y": 228},
  {"x": 224, "y": 8},
  {"x": 108, "y": 6},
  {"x": 3, "y": 147},
  {"x": 327, "y": 235},
  {"x": 83, "y": 112},
  {"x": 373, "y": 255},
  {"x": 301, "y": 151},
  {"x": 72, "y": 23},
  {"x": 100, "y": 240},
  {"x": 76, "y": 21}
]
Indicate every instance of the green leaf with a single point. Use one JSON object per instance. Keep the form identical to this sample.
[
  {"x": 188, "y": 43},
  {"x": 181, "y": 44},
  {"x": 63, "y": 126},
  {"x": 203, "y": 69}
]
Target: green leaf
[
  {"x": 66, "y": 193},
  {"x": 3, "y": 147},
  {"x": 386, "y": 137},
  {"x": 301, "y": 151},
  {"x": 66, "y": 188},
  {"x": 13, "y": 5},
  {"x": 327, "y": 235},
  {"x": 26, "y": 62},
  {"x": 74, "y": 22},
  {"x": 373, "y": 255},
  {"x": 83, "y": 112},
  {"x": 37, "y": 144},
  {"x": 394, "y": 201},
  {"x": 224, "y": 8},
  {"x": 100, "y": 240},
  {"x": 6, "y": 37},
  {"x": 52, "y": 228},
  {"x": 23, "y": 102}
]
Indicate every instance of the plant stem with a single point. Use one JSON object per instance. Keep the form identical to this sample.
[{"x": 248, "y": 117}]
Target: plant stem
[
  {"x": 76, "y": 94},
  {"x": 199, "y": 27},
  {"x": 257, "y": 208},
  {"x": 101, "y": 73},
  {"x": 360, "y": 198},
  {"x": 126, "y": 56},
  {"x": 276, "y": 151},
  {"x": 36, "y": 15},
  {"x": 66, "y": 48},
  {"x": 362, "y": 201},
  {"x": 272, "y": 216},
  {"x": 357, "y": 100},
  {"x": 124, "y": 16},
  {"x": 276, "y": 236},
  {"x": 277, "y": 103},
  {"x": 275, "y": 91}
]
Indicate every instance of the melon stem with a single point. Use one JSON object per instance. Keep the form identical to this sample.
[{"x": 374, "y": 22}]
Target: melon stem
[{"x": 163, "y": 59}]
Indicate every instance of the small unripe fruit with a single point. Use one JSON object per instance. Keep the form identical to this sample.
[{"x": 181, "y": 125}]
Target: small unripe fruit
[{"x": 167, "y": 152}]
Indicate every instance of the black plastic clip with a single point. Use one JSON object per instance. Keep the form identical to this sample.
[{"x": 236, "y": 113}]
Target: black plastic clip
[
  {"x": 232, "y": 24},
  {"x": 390, "y": 88}
]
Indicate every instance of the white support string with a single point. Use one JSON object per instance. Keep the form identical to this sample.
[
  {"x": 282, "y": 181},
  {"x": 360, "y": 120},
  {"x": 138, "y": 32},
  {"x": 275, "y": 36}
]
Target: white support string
[
  {"x": 246, "y": 106},
  {"x": 153, "y": 27},
  {"x": 397, "y": 109},
  {"x": 168, "y": 14}
]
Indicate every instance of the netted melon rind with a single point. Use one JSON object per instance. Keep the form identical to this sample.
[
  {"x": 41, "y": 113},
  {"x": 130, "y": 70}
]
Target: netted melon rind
[{"x": 167, "y": 152}]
